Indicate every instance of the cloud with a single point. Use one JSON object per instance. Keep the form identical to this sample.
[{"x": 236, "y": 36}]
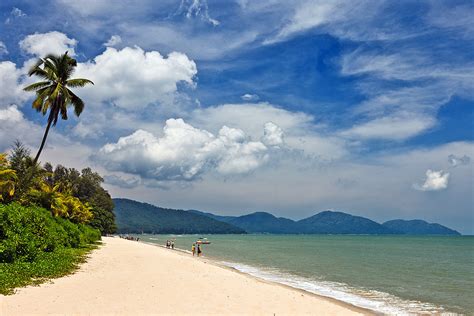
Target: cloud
[
  {"x": 3, "y": 49},
  {"x": 42, "y": 44},
  {"x": 17, "y": 12},
  {"x": 356, "y": 20},
  {"x": 456, "y": 161},
  {"x": 250, "y": 97},
  {"x": 196, "y": 8},
  {"x": 157, "y": 25},
  {"x": 273, "y": 134},
  {"x": 301, "y": 132},
  {"x": 10, "y": 88},
  {"x": 114, "y": 40},
  {"x": 396, "y": 127},
  {"x": 457, "y": 18},
  {"x": 251, "y": 117},
  {"x": 305, "y": 17},
  {"x": 183, "y": 153},
  {"x": 14, "y": 14},
  {"x": 131, "y": 78},
  {"x": 122, "y": 182},
  {"x": 13, "y": 125},
  {"x": 435, "y": 181}
]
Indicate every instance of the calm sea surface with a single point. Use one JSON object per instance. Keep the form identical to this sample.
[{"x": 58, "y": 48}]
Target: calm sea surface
[{"x": 394, "y": 275}]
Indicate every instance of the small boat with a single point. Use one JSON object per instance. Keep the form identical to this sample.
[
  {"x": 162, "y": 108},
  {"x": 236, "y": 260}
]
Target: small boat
[{"x": 203, "y": 241}]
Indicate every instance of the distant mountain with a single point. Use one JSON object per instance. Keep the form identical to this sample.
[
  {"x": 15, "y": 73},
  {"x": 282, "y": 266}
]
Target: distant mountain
[
  {"x": 262, "y": 222},
  {"x": 133, "y": 216},
  {"x": 221, "y": 218},
  {"x": 258, "y": 222},
  {"x": 326, "y": 222},
  {"x": 329, "y": 222},
  {"x": 418, "y": 227},
  {"x": 136, "y": 217}
]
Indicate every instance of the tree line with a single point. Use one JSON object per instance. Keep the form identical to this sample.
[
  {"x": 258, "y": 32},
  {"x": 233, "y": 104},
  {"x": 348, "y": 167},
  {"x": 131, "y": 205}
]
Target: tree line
[{"x": 66, "y": 192}]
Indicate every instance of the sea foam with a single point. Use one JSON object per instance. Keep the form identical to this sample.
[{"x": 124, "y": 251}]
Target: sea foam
[{"x": 369, "y": 299}]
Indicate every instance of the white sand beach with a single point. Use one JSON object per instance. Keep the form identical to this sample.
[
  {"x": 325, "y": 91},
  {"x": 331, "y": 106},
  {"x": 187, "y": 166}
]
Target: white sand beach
[{"x": 130, "y": 278}]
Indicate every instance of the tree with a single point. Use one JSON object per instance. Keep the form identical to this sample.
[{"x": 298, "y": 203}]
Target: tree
[
  {"x": 7, "y": 178},
  {"x": 28, "y": 173},
  {"x": 86, "y": 186},
  {"x": 53, "y": 93},
  {"x": 61, "y": 202}
]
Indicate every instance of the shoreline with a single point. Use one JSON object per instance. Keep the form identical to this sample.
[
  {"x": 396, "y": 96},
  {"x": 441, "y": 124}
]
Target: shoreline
[
  {"x": 135, "y": 278},
  {"x": 214, "y": 262}
]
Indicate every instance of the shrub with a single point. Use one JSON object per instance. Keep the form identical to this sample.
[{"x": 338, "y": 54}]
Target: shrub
[
  {"x": 73, "y": 234},
  {"x": 25, "y": 232}
]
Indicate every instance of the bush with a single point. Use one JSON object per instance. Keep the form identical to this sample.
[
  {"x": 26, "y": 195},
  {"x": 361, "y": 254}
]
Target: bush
[
  {"x": 26, "y": 232},
  {"x": 88, "y": 234},
  {"x": 73, "y": 234}
]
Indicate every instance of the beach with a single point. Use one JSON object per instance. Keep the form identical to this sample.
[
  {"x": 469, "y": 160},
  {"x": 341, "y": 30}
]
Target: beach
[{"x": 125, "y": 277}]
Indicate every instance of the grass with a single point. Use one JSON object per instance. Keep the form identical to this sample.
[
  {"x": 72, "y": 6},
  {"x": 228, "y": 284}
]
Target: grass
[{"x": 47, "y": 265}]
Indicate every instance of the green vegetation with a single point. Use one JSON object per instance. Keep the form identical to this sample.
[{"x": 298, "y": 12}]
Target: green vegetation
[
  {"x": 48, "y": 265},
  {"x": 53, "y": 92},
  {"x": 136, "y": 217},
  {"x": 35, "y": 245},
  {"x": 66, "y": 192},
  {"x": 49, "y": 218}
]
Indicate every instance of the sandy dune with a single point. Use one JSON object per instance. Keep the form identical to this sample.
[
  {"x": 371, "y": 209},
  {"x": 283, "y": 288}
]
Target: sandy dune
[{"x": 130, "y": 278}]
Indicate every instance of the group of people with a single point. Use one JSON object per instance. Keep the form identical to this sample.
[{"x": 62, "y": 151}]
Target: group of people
[
  {"x": 170, "y": 244},
  {"x": 130, "y": 237},
  {"x": 196, "y": 249}
]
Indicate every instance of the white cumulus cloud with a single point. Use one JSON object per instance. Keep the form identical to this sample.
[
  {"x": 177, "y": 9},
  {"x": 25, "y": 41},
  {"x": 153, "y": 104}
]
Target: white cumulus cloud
[
  {"x": 132, "y": 78},
  {"x": 300, "y": 130},
  {"x": 435, "y": 181},
  {"x": 183, "y": 153},
  {"x": 113, "y": 40},
  {"x": 10, "y": 87},
  {"x": 42, "y": 44},
  {"x": 273, "y": 134},
  {"x": 13, "y": 125}
]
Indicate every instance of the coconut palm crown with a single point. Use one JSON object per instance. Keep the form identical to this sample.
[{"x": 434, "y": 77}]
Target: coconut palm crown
[{"x": 53, "y": 93}]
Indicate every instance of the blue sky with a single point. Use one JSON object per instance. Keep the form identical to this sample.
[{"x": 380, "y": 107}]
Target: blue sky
[{"x": 240, "y": 106}]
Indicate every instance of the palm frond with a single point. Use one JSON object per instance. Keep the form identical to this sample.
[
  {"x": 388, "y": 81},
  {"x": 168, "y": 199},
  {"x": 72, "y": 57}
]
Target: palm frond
[
  {"x": 77, "y": 103},
  {"x": 38, "y": 71},
  {"x": 78, "y": 82},
  {"x": 37, "y": 65},
  {"x": 37, "y": 85}
]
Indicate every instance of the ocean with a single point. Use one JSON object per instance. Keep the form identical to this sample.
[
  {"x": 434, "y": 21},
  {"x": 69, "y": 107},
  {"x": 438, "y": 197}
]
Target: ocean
[{"x": 395, "y": 275}]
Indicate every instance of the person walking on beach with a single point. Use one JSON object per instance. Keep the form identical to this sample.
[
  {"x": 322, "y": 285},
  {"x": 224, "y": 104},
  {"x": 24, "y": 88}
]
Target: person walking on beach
[
  {"x": 193, "y": 249},
  {"x": 172, "y": 244},
  {"x": 199, "y": 250}
]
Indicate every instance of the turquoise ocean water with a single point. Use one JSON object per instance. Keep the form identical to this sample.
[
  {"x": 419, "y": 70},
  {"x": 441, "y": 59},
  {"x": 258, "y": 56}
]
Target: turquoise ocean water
[{"x": 396, "y": 275}]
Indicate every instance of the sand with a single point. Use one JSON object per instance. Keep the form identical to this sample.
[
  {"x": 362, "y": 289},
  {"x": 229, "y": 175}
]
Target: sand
[{"x": 130, "y": 278}]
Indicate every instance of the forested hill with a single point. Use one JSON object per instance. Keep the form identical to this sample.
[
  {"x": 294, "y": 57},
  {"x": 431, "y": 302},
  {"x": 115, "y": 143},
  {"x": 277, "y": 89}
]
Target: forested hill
[
  {"x": 330, "y": 222},
  {"x": 418, "y": 227},
  {"x": 136, "y": 217}
]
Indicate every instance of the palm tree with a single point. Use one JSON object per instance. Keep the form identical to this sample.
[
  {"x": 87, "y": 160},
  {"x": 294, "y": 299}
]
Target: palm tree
[
  {"x": 7, "y": 178},
  {"x": 53, "y": 92}
]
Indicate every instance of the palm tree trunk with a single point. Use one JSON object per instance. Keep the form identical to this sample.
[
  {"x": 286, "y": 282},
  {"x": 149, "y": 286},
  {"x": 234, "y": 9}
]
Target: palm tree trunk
[{"x": 43, "y": 141}]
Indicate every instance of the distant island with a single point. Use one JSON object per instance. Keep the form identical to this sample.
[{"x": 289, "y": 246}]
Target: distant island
[{"x": 137, "y": 217}]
